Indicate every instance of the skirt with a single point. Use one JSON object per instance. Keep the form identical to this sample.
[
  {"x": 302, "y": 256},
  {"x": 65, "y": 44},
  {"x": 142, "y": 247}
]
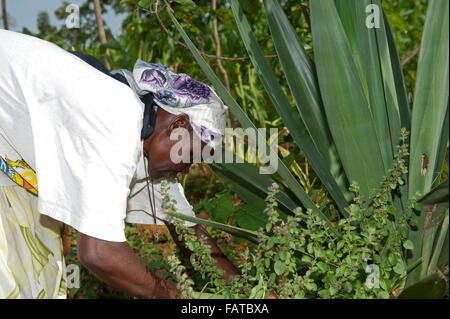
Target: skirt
[{"x": 32, "y": 264}]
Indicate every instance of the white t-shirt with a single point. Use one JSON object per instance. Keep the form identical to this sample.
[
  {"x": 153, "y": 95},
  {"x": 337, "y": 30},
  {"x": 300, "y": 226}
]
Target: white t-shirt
[{"x": 80, "y": 130}]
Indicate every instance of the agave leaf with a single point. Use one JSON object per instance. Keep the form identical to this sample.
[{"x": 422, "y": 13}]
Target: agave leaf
[
  {"x": 442, "y": 150},
  {"x": 427, "y": 220},
  {"x": 245, "y": 179},
  {"x": 437, "y": 251},
  {"x": 397, "y": 70},
  {"x": 290, "y": 117},
  {"x": 437, "y": 195},
  {"x": 370, "y": 50},
  {"x": 346, "y": 107},
  {"x": 431, "y": 99},
  {"x": 444, "y": 257},
  {"x": 301, "y": 76}
]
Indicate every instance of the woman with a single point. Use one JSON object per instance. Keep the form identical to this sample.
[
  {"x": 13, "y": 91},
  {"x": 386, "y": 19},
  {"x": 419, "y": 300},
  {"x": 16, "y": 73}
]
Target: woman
[{"x": 76, "y": 146}]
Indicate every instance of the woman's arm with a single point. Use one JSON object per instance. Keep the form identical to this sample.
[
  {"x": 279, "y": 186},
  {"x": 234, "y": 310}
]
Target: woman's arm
[{"x": 116, "y": 264}]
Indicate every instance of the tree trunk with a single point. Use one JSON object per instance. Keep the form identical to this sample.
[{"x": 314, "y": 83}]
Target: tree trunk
[
  {"x": 4, "y": 15},
  {"x": 100, "y": 28},
  {"x": 233, "y": 121}
]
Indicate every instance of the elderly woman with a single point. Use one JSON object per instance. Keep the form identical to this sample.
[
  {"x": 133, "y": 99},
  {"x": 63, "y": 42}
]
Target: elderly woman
[{"x": 79, "y": 145}]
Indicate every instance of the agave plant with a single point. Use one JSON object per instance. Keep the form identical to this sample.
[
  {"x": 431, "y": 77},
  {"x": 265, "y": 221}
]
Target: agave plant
[{"x": 350, "y": 105}]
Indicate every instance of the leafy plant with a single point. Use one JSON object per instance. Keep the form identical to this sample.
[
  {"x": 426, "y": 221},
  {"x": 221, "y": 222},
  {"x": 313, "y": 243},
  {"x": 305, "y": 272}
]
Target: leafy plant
[
  {"x": 300, "y": 258},
  {"x": 350, "y": 104}
]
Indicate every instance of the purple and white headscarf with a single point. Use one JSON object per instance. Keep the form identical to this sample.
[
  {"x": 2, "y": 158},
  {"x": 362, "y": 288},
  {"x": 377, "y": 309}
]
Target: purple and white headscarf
[{"x": 178, "y": 93}]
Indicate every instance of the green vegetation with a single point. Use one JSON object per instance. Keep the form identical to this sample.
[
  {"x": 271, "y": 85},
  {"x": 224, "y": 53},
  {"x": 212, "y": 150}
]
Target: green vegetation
[
  {"x": 348, "y": 194},
  {"x": 300, "y": 258}
]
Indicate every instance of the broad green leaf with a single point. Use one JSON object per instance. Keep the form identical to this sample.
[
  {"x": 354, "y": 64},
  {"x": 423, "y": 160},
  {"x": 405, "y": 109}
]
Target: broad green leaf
[
  {"x": 283, "y": 171},
  {"x": 290, "y": 117},
  {"x": 346, "y": 107}
]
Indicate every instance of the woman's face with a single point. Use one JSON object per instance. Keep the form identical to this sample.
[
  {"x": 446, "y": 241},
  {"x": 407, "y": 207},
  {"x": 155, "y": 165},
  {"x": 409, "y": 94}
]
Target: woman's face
[{"x": 157, "y": 147}]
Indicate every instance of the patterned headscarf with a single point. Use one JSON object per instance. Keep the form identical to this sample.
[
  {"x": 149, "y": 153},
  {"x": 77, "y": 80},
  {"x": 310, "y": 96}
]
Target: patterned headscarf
[{"x": 178, "y": 93}]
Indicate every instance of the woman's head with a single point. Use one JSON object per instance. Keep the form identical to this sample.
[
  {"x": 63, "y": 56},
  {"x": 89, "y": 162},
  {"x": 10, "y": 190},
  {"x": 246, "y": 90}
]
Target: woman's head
[
  {"x": 182, "y": 103},
  {"x": 158, "y": 147}
]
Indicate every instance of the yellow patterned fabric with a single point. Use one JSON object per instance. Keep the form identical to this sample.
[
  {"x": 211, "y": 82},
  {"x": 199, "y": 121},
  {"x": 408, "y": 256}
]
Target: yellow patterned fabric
[
  {"x": 20, "y": 172},
  {"x": 31, "y": 256}
]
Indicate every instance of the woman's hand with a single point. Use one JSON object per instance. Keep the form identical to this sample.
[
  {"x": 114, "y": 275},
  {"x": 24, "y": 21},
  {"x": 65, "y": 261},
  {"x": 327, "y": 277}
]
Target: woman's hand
[{"x": 116, "y": 264}]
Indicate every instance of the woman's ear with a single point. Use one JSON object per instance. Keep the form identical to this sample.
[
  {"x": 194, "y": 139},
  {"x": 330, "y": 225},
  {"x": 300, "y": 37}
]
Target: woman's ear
[
  {"x": 146, "y": 146},
  {"x": 181, "y": 120}
]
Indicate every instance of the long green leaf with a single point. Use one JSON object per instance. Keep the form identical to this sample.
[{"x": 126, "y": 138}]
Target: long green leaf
[
  {"x": 437, "y": 251},
  {"x": 346, "y": 107},
  {"x": 427, "y": 219},
  {"x": 444, "y": 257},
  {"x": 255, "y": 185},
  {"x": 236, "y": 231},
  {"x": 431, "y": 98},
  {"x": 400, "y": 200},
  {"x": 246, "y": 123},
  {"x": 370, "y": 51},
  {"x": 290, "y": 117},
  {"x": 442, "y": 150},
  {"x": 437, "y": 195},
  {"x": 400, "y": 84},
  {"x": 301, "y": 75}
]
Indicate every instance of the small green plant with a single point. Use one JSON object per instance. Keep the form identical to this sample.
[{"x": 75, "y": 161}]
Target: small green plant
[{"x": 298, "y": 257}]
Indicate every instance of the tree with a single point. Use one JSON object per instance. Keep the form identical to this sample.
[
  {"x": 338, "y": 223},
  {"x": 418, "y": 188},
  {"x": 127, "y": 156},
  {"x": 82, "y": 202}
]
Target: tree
[
  {"x": 4, "y": 15},
  {"x": 101, "y": 28}
]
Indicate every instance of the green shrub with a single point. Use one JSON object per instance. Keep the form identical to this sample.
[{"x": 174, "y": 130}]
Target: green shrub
[{"x": 298, "y": 257}]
